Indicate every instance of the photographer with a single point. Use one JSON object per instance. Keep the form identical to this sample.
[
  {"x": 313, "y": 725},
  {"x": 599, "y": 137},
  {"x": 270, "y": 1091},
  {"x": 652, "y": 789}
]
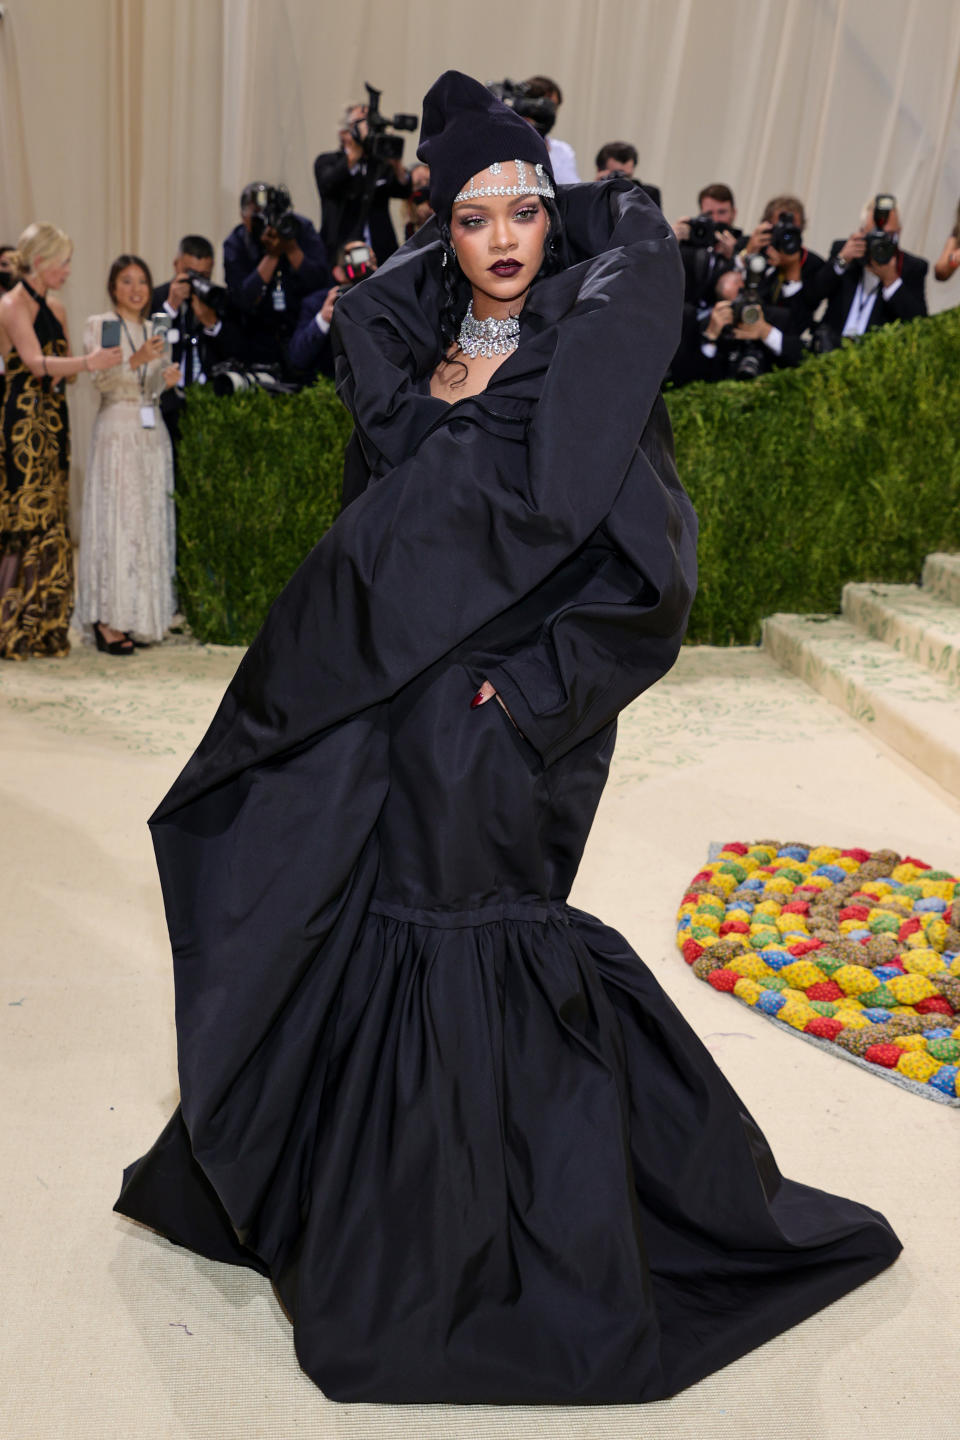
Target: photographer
[
  {"x": 868, "y": 280},
  {"x": 619, "y": 158},
  {"x": 708, "y": 242},
  {"x": 417, "y": 208},
  {"x": 271, "y": 260},
  {"x": 356, "y": 186},
  {"x": 204, "y": 330},
  {"x": 792, "y": 268},
  {"x": 563, "y": 160},
  {"x": 741, "y": 338},
  {"x": 310, "y": 352}
]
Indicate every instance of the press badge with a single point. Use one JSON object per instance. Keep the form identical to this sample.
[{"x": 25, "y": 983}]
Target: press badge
[{"x": 148, "y": 417}]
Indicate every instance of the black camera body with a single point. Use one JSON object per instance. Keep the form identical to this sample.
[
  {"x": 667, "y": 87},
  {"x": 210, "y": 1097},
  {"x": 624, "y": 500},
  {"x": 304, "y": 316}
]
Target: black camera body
[
  {"x": 540, "y": 111},
  {"x": 747, "y": 308},
  {"x": 881, "y": 244},
  {"x": 206, "y": 292},
  {"x": 273, "y": 210},
  {"x": 703, "y": 232},
  {"x": 786, "y": 236},
  {"x": 378, "y": 144}
]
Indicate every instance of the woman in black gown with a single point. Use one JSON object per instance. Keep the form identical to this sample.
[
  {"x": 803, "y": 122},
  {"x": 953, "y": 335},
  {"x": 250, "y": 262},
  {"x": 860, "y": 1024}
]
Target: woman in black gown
[{"x": 476, "y": 1148}]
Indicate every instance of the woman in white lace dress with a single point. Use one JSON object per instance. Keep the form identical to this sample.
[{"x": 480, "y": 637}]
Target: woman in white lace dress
[{"x": 127, "y": 539}]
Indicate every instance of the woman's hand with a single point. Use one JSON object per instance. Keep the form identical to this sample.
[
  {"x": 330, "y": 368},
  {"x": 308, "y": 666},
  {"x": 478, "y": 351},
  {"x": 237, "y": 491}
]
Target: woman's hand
[
  {"x": 487, "y": 692},
  {"x": 171, "y": 376},
  {"x": 100, "y": 359},
  {"x": 151, "y": 349}
]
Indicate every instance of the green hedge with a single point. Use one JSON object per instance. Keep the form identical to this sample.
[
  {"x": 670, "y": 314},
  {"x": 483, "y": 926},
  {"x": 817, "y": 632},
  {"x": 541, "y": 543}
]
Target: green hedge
[{"x": 846, "y": 468}]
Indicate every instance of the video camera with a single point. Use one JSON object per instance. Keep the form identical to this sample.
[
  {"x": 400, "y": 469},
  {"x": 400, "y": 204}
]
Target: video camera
[
  {"x": 378, "y": 145},
  {"x": 536, "y": 108},
  {"x": 881, "y": 244},
  {"x": 272, "y": 209}
]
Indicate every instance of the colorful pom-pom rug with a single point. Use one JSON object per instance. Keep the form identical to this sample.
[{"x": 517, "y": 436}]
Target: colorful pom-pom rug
[{"x": 856, "y": 951}]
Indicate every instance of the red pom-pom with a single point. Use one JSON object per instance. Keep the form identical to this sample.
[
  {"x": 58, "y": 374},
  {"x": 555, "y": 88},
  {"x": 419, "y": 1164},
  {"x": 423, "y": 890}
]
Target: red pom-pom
[
  {"x": 691, "y": 950},
  {"x": 909, "y": 927},
  {"x": 702, "y": 877},
  {"x": 853, "y": 912},
  {"x": 737, "y": 847},
  {"x": 796, "y": 907},
  {"x": 883, "y": 1054},
  {"x": 934, "y": 1005},
  {"x": 896, "y": 964},
  {"x": 690, "y": 897},
  {"x": 823, "y": 1026},
  {"x": 723, "y": 979},
  {"x": 861, "y": 856},
  {"x": 734, "y": 927},
  {"x": 804, "y": 947},
  {"x": 912, "y": 860},
  {"x": 824, "y": 990},
  {"x": 807, "y": 890}
]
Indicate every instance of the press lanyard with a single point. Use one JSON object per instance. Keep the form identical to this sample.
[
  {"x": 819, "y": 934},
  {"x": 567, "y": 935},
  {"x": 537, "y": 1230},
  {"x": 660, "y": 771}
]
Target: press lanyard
[{"x": 147, "y": 417}]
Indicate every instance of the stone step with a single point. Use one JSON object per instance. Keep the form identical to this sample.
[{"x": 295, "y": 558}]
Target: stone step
[
  {"x": 913, "y": 710},
  {"x": 941, "y": 574},
  {"x": 920, "y": 624}
]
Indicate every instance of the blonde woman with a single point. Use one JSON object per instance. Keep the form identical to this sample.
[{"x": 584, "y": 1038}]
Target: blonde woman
[{"x": 36, "y": 558}]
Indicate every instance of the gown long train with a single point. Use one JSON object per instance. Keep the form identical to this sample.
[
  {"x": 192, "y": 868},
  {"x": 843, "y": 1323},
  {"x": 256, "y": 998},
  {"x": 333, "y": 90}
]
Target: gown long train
[{"x": 479, "y": 1152}]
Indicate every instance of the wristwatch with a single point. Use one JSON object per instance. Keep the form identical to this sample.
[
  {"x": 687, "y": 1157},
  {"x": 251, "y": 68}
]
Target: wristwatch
[{"x": 840, "y": 264}]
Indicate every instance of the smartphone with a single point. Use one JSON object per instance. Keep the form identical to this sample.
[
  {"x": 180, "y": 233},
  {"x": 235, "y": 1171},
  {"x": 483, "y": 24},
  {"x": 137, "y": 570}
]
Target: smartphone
[
  {"x": 109, "y": 333},
  {"x": 160, "y": 323}
]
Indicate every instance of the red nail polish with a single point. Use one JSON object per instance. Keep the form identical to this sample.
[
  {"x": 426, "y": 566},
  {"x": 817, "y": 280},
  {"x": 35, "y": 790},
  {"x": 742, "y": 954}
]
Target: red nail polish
[{"x": 477, "y": 700}]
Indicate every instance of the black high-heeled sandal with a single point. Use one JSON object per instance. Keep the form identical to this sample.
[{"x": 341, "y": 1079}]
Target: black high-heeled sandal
[{"x": 111, "y": 647}]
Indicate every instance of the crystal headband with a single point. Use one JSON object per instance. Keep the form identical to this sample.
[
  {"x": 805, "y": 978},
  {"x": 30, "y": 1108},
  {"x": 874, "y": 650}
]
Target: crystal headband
[{"x": 539, "y": 186}]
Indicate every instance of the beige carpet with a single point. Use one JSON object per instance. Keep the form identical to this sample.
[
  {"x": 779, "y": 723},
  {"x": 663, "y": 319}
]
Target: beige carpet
[{"x": 106, "y": 1331}]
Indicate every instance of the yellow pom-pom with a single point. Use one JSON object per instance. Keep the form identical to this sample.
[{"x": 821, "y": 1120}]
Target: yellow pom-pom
[
  {"x": 722, "y": 884},
  {"x": 877, "y": 887},
  {"x": 802, "y": 973},
  {"x": 908, "y": 989},
  {"x": 937, "y": 890},
  {"x": 847, "y": 862},
  {"x": 820, "y": 882},
  {"x": 934, "y": 933},
  {"x": 749, "y": 964},
  {"x": 779, "y": 885},
  {"x": 748, "y": 990},
  {"x": 851, "y": 1019},
  {"x": 910, "y": 1042},
  {"x": 741, "y": 916},
  {"x": 917, "y": 1065},
  {"x": 707, "y": 919},
  {"x": 922, "y": 962},
  {"x": 955, "y": 965},
  {"x": 905, "y": 874},
  {"x": 787, "y": 921},
  {"x": 855, "y": 979},
  {"x": 796, "y": 1013},
  {"x": 823, "y": 855},
  {"x": 769, "y": 908},
  {"x": 847, "y": 925}
]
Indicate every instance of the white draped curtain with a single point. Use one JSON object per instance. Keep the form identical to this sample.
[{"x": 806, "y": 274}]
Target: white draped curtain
[{"x": 131, "y": 122}]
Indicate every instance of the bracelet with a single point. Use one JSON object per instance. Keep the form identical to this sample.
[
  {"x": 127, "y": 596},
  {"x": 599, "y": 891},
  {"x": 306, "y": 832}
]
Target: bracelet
[{"x": 43, "y": 362}]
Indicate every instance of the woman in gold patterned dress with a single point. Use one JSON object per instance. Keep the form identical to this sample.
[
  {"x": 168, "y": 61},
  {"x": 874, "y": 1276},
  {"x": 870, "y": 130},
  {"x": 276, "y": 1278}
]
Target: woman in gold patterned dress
[{"x": 36, "y": 556}]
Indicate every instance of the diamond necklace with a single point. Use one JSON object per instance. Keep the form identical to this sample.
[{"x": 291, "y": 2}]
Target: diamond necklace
[{"x": 488, "y": 337}]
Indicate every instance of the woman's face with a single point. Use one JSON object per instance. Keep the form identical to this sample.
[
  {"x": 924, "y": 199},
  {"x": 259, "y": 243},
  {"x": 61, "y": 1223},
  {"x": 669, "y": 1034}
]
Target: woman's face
[
  {"x": 54, "y": 273},
  {"x": 499, "y": 241},
  {"x": 130, "y": 289}
]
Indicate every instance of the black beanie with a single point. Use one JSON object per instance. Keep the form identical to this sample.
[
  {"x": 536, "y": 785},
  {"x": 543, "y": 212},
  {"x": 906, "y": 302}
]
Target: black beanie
[{"x": 465, "y": 129}]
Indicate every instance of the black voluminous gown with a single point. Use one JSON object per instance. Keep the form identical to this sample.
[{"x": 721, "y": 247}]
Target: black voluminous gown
[{"x": 477, "y": 1149}]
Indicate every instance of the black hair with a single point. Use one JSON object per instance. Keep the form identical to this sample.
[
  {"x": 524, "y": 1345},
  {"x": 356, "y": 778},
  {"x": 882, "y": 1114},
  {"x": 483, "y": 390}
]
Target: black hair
[
  {"x": 196, "y": 245},
  {"x": 456, "y": 288},
  {"x": 121, "y": 263},
  {"x": 616, "y": 150}
]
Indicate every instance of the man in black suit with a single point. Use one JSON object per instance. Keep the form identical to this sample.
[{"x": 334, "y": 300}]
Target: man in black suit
[
  {"x": 268, "y": 275},
  {"x": 704, "y": 264},
  {"x": 868, "y": 280},
  {"x": 310, "y": 351},
  {"x": 356, "y": 190},
  {"x": 201, "y": 333},
  {"x": 791, "y": 268},
  {"x": 619, "y": 158}
]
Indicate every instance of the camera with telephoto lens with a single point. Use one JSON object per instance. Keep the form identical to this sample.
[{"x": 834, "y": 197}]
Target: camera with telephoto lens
[
  {"x": 746, "y": 308},
  {"x": 206, "y": 292},
  {"x": 703, "y": 232},
  {"x": 540, "y": 111},
  {"x": 272, "y": 209},
  {"x": 882, "y": 244},
  {"x": 786, "y": 236},
  {"x": 378, "y": 145}
]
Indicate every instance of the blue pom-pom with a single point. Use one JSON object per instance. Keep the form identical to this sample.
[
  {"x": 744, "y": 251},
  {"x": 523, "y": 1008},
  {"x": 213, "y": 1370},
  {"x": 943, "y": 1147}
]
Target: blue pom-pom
[
  {"x": 937, "y": 1034},
  {"x": 685, "y": 922},
  {"x": 794, "y": 852},
  {"x": 859, "y": 934},
  {"x": 776, "y": 959},
  {"x": 832, "y": 872},
  {"x": 770, "y": 1002},
  {"x": 876, "y": 1013},
  {"x": 945, "y": 1078},
  {"x": 932, "y": 904},
  {"x": 754, "y": 883},
  {"x": 887, "y": 972}
]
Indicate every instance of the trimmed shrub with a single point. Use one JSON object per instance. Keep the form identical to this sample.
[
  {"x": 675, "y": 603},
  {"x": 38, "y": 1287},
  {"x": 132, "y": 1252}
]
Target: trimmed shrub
[
  {"x": 258, "y": 482},
  {"x": 845, "y": 468}
]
